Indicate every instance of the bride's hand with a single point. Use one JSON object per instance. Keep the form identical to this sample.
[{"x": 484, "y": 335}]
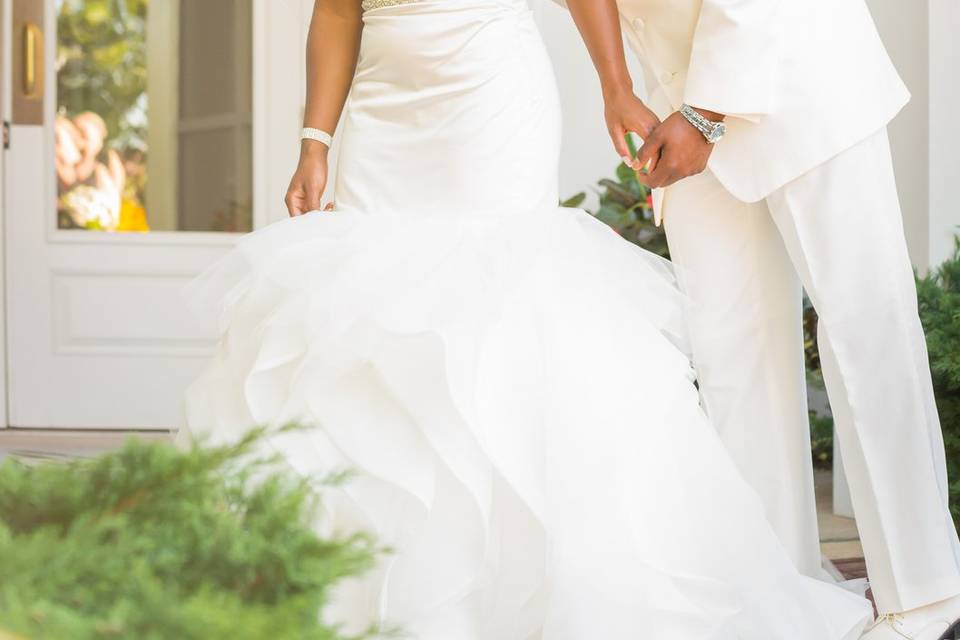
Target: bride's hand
[
  {"x": 625, "y": 113},
  {"x": 309, "y": 181}
]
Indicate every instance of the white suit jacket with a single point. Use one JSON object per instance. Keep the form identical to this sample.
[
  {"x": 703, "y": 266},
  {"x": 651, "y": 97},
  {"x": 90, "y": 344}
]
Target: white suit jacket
[{"x": 800, "y": 80}]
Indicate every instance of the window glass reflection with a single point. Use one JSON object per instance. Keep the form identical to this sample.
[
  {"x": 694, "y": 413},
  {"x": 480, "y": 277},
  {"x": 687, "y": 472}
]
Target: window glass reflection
[{"x": 153, "y": 125}]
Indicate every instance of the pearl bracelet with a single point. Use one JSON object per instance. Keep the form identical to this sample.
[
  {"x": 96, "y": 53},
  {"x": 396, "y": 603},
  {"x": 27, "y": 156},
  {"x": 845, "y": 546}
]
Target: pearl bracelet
[{"x": 316, "y": 134}]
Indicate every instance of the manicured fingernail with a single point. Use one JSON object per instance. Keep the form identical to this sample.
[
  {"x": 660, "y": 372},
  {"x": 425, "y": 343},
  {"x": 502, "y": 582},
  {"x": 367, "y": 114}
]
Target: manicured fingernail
[
  {"x": 646, "y": 167},
  {"x": 627, "y": 161}
]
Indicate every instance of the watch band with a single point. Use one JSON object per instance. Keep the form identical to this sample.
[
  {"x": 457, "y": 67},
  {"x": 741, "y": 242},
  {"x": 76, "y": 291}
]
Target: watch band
[
  {"x": 323, "y": 137},
  {"x": 712, "y": 131}
]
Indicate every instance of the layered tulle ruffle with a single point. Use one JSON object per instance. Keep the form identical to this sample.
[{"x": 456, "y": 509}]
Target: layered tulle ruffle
[{"x": 514, "y": 396}]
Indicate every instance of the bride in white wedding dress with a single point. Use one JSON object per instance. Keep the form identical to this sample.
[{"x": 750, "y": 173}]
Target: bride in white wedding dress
[{"x": 506, "y": 377}]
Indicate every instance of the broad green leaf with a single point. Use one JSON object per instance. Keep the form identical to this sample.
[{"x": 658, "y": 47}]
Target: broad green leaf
[{"x": 575, "y": 201}]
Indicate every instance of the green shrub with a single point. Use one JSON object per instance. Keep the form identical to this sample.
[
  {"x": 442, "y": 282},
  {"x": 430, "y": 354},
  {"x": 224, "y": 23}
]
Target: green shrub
[
  {"x": 939, "y": 295},
  {"x": 151, "y": 542},
  {"x": 821, "y": 440}
]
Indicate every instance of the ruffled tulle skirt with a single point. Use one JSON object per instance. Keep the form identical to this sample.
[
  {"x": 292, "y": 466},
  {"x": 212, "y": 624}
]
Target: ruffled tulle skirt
[
  {"x": 507, "y": 379},
  {"x": 513, "y": 395}
]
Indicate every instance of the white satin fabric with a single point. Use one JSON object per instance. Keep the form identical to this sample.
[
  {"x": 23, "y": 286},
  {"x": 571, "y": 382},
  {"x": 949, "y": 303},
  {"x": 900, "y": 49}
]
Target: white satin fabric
[{"x": 506, "y": 377}]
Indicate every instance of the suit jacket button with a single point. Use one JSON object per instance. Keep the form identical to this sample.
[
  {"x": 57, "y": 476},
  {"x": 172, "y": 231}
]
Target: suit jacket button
[{"x": 667, "y": 77}]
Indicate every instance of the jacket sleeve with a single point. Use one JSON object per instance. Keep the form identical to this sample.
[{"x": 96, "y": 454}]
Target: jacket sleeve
[{"x": 735, "y": 55}]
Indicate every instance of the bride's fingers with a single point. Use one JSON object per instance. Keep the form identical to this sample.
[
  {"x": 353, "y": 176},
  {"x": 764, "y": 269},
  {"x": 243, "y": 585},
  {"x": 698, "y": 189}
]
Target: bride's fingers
[
  {"x": 644, "y": 163},
  {"x": 619, "y": 137},
  {"x": 643, "y": 129},
  {"x": 314, "y": 199},
  {"x": 663, "y": 173},
  {"x": 294, "y": 202}
]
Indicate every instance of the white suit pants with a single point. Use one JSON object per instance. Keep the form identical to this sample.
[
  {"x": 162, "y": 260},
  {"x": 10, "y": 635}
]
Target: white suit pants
[{"x": 838, "y": 231}]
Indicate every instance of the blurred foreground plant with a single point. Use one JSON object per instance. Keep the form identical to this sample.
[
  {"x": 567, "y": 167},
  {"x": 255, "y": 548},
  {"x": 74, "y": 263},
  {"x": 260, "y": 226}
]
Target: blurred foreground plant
[{"x": 151, "y": 542}]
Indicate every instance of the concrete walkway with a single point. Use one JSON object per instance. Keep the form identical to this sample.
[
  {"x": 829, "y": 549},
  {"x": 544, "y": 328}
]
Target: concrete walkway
[{"x": 839, "y": 538}]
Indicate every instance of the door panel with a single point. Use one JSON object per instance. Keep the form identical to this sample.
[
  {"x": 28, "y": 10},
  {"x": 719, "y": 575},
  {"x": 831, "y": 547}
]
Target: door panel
[{"x": 97, "y": 333}]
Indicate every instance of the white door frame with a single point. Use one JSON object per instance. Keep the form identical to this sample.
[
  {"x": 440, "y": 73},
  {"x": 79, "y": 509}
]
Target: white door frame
[{"x": 5, "y": 68}]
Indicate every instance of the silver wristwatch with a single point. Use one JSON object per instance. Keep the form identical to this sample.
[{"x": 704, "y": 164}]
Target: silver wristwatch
[{"x": 712, "y": 131}]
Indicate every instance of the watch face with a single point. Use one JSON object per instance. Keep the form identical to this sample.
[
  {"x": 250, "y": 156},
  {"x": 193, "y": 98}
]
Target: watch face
[{"x": 717, "y": 133}]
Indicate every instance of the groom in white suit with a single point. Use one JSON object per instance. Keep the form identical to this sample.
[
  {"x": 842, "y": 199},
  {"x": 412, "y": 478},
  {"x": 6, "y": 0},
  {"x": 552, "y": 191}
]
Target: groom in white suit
[{"x": 765, "y": 138}]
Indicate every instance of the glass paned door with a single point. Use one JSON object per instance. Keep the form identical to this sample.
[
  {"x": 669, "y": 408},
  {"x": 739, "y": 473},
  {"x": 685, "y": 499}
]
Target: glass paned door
[
  {"x": 158, "y": 132},
  {"x": 154, "y": 115}
]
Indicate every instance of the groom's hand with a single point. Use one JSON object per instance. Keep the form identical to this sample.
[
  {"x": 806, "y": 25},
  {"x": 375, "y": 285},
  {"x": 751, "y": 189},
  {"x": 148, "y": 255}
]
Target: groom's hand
[
  {"x": 674, "y": 151},
  {"x": 625, "y": 113}
]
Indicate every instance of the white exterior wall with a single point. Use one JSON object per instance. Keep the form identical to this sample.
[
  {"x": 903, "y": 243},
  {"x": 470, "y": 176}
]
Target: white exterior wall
[
  {"x": 922, "y": 37},
  {"x": 588, "y": 154},
  {"x": 904, "y": 30},
  {"x": 944, "y": 126}
]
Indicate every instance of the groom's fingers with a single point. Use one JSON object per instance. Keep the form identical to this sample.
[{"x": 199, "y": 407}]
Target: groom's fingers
[
  {"x": 648, "y": 159},
  {"x": 664, "y": 174},
  {"x": 649, "y": 154}
]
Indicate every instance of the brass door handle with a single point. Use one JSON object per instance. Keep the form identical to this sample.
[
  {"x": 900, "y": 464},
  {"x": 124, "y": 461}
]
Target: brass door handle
[{"x": 32, "y": 61}]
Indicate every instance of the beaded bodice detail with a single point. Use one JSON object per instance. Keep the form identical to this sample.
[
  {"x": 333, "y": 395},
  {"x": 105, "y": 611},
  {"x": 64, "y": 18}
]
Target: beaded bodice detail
[{"x": 367, "y": 5}]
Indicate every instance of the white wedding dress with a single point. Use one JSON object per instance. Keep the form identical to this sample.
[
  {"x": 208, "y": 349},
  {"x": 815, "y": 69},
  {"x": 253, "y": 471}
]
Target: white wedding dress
[{"x": 506, "y": 377}]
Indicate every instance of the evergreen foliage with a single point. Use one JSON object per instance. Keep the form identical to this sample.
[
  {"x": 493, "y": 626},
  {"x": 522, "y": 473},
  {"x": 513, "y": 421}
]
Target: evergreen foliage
[
  {"x": 152, "y": 542},
  {"x": 821, "y": 440},
  {"x": 939, "y": 295}
]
